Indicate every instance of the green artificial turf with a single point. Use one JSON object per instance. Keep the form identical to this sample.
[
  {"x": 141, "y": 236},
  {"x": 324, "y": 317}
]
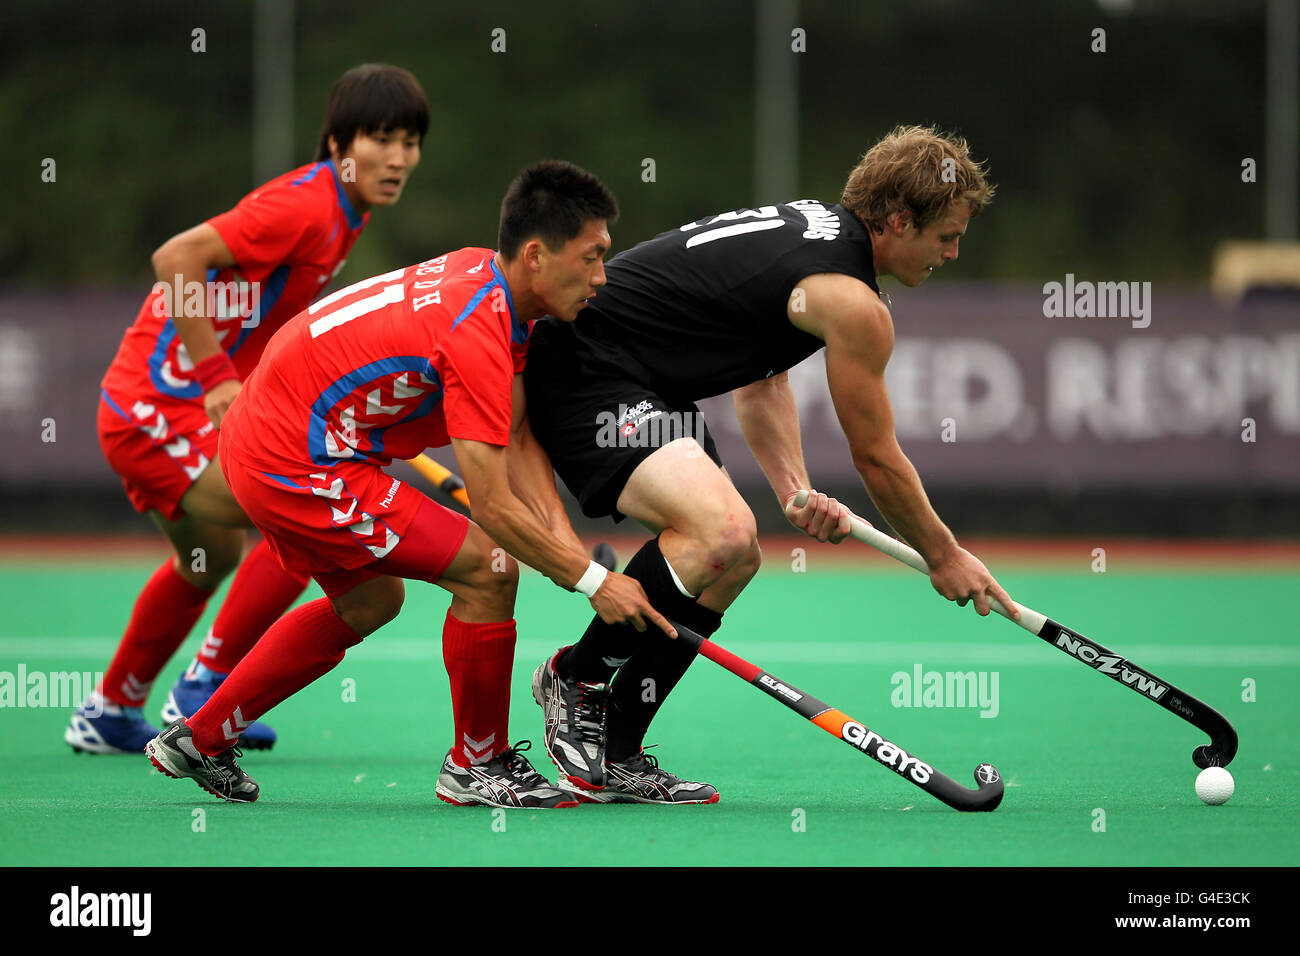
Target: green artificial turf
[{"x": 1095, "y": 775}]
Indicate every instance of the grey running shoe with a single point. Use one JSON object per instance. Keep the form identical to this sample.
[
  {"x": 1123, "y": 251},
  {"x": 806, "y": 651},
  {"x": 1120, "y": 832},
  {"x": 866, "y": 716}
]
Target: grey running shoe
[
  {"x": 640, "y": 779},
  {"x": 575, "y": 725},
  {"x": 173, "y": 753},
  {"x": 507, "y": 780}
]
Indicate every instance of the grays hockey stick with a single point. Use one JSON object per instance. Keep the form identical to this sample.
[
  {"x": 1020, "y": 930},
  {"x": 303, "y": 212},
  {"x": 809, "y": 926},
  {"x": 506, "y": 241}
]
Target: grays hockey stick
[
  {"x": 841, "y": 725},
  {"x": 1223, "y": 738}
]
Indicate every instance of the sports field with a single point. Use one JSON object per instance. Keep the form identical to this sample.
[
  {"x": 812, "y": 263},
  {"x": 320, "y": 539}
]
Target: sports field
[{"x": 1095, "y": 775}]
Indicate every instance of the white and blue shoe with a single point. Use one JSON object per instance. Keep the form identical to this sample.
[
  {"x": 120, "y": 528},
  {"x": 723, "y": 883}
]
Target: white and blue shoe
[
  {"x": 99, "y": 726},
  {"x": 192, "y": 691}
]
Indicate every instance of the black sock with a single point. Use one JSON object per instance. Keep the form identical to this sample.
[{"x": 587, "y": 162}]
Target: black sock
[
  {"x": 590, "y": 659},
  {"x": 649, "y": 676}
]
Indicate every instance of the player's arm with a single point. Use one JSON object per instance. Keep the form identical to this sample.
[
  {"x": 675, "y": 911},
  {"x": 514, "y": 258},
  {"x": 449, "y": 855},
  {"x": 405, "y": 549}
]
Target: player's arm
[
  {"x": 769, "y": 420},
  {"x": 513, "y": 525},
  {"x": 179, "y": 262},
  {"x": 532, "y": 479},
  {"x": 859, "y": 336}
]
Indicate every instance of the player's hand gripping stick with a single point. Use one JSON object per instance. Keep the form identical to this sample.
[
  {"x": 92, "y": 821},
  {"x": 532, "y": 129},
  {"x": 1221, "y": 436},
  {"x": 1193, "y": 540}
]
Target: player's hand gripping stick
[{"x": 1223, "y": 738}]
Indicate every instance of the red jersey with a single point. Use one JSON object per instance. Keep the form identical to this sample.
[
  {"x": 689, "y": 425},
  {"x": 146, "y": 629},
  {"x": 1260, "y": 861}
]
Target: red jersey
[
  {"x": 384, "y": 369},
  {"x": 288, "y": 238}
]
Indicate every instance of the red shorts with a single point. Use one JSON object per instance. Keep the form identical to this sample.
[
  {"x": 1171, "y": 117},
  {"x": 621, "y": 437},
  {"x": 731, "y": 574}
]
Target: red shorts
[
  {"x": 343, "y": 518},
  {"x": 158, "y": 447}
]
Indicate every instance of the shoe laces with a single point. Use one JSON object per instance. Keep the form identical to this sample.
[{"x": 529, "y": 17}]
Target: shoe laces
[
  {"x": 638, "y": 762},
  {"x": 224, "y": 764},
  {"x": 516, "y": 764},
  {"x": 589, "y": 712}
]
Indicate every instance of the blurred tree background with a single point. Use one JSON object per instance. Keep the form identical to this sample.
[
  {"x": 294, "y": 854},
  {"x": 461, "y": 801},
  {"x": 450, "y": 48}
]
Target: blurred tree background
[{"x": 1122, "y": 164}]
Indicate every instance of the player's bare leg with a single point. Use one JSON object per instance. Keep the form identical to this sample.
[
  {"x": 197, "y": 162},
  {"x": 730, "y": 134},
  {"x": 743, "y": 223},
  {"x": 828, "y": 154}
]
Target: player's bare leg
[
  {"x": 707, "y": 532},
  {"x": 720, "y": 595},
  {"x": 482, "y": 579},
  {"x": 210, "y": 499},
  {"x": 205, "y": 552},
  {"x": 370, "y": 605}
]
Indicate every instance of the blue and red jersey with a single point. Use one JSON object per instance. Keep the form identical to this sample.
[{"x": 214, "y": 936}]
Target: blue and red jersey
[
  {"x": 288, "y": 239},
  {"x": 384, "y": 369}
]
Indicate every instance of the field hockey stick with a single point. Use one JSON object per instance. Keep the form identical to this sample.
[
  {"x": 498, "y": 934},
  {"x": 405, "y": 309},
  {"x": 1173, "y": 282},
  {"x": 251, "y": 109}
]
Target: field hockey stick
[
  {"x": 441, "y": 477},
  {"x": 450, "y": 483},
  {"x": 1223, "y": 738},
  {"x": 839, "y": 724}
]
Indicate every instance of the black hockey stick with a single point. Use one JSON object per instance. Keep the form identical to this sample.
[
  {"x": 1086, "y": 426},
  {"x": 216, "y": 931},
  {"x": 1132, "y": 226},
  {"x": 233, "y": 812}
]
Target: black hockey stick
[
  {"x": 1223, "y": 738},
  {"x": 841, "y": 725}
]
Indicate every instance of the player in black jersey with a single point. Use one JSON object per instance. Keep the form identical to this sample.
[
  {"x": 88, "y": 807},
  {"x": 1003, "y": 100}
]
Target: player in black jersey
[{"x": 730, "y": 303}]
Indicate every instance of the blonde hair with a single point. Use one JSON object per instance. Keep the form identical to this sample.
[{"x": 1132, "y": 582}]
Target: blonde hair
[{"x": 905, "y": 173}]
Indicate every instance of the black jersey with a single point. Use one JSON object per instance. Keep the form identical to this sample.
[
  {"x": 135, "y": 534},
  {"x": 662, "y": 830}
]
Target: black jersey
[{"x": 701, "y": 310}]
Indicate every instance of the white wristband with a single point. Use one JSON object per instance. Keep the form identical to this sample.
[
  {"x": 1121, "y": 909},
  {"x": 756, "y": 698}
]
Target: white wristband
[{"x": 591, "y": 579}]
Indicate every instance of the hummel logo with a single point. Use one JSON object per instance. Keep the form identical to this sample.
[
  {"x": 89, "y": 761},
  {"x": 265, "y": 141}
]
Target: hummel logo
[
  {"x": 235, "y": 726},
  {"x": 135, "y": 689},
  {"x": 211, "y": 644},
  {"x": 479, "y": 751}
]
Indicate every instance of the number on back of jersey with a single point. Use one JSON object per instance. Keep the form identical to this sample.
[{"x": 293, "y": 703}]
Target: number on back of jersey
[{"x": 738, "y": 222}]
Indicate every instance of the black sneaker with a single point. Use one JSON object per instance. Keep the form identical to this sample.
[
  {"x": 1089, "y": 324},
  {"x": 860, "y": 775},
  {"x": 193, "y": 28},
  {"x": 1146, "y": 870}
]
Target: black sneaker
[
  {"x": 575, "y": 725},
  {"x": 173, "y": 753},
  {"x": 507, "y": 780},
  {"x": 640, "y": 779}
]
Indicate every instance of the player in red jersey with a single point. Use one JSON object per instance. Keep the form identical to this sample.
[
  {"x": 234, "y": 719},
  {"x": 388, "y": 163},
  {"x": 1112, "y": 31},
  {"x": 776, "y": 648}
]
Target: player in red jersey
[
  {"x": 383, "y": 369},
  {"x": 224, "y": 287}
]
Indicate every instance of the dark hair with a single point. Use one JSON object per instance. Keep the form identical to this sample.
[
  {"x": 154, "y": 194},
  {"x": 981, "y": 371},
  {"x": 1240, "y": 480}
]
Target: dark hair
[
  {"x": 552, "y": 201},
  {"x": 372, "y": 98}
]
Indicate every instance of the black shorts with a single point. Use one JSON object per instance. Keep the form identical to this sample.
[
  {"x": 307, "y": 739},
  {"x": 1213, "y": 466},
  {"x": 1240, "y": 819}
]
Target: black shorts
[{"x": 597, "y": 424}]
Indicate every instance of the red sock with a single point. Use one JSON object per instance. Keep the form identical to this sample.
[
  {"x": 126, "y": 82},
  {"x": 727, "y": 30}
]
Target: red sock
[
  {"x": 261, "y": 592},
  {"x": 304, "y": 644},
  {"x": 479, "y": 658},
  {"x": 164, "y": 613}
]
